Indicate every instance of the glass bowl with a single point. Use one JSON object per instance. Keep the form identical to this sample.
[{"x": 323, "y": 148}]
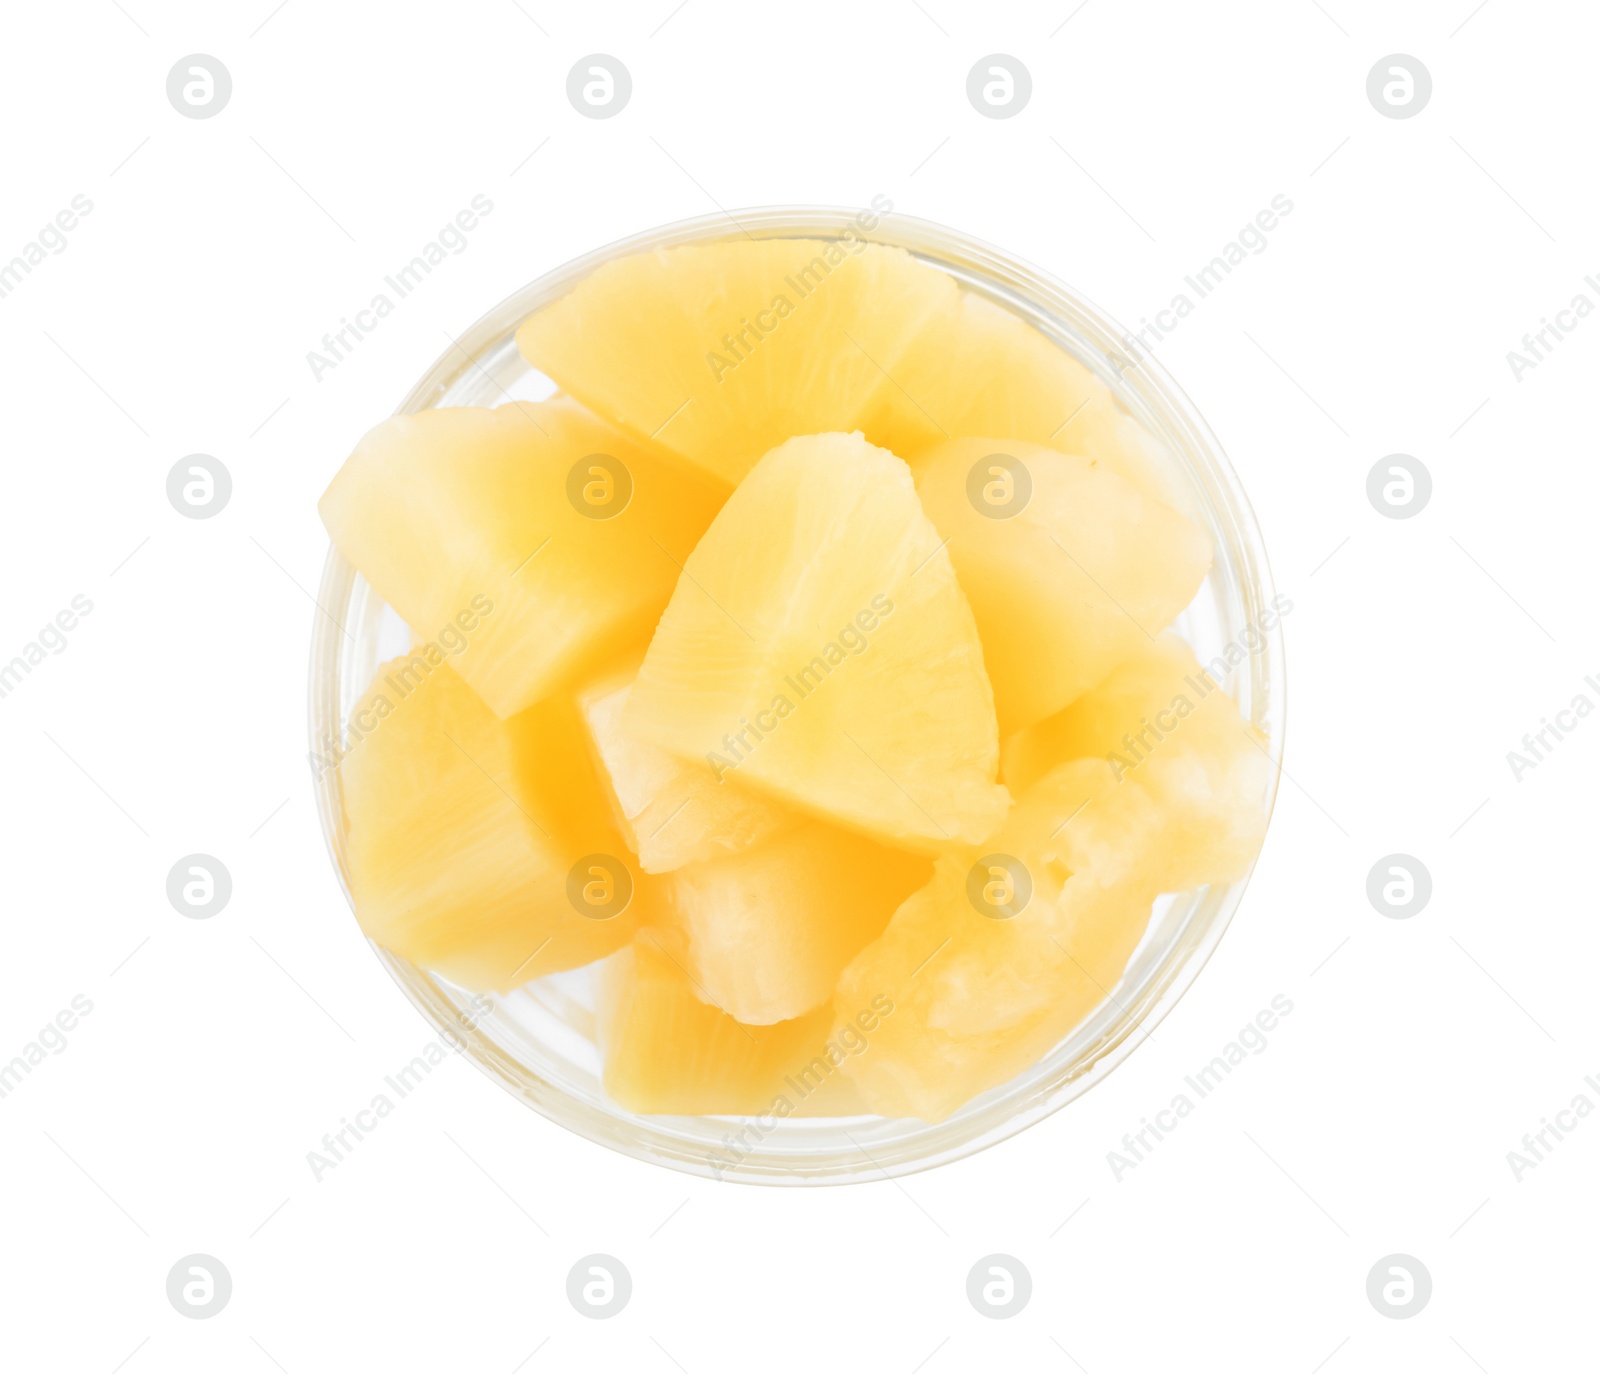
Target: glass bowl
[{"x": 539, "y": 1041}]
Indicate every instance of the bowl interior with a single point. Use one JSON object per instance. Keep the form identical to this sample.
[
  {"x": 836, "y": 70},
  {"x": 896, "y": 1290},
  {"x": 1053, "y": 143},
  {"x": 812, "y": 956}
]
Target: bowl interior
[{"x": 539, "y": 1041}]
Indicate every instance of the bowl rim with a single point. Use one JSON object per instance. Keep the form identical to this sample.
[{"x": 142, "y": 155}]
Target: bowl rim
[{"x": 1144, "y": 387}]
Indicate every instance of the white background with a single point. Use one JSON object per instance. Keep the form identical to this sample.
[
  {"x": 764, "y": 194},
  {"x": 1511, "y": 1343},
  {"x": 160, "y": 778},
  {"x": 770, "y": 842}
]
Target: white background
[{"x": 178, "y": 319}]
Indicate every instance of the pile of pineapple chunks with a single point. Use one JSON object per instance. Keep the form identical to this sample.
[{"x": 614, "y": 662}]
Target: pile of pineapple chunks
[{"x": 800, "y": 665}]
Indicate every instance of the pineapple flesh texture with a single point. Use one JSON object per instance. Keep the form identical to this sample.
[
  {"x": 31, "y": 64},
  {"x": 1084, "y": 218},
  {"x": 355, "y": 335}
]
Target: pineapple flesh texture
[
  {"x": 1067, "y": 567},
  {"x": 667, "y": 1051},
  {"x": 722, "y": 351},
  {"x": 764, "y": 933},
  {"x": 462, "y": 830},
  {"x": 1099, "y": 837},
  {"x": 671, "y": 810},
  {"x": 819, "y": 649},
  {"x": 976, "y": 369},
  {"x": 530, "y": 541}
]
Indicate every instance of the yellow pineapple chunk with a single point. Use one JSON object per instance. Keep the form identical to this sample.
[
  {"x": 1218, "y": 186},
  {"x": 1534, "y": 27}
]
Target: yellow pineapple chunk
[
  {"x": 765, "y": 932},
  {"x": 819, "y": 648},
  {"x": 721, "y": 351},
  {"x": 463, "y": 832},
  {"x": 1012, "y": 946},
  {"x": 978, "y": 370},
  {"x": 980, "y": 997},
  {"x": 526, "y": 543},
  {"x": 1161, "y": 718},
  {"x": 1067, "y": 567},
  {"x": 667, "y": 1051},
  {"x": 672, "y": 811}
]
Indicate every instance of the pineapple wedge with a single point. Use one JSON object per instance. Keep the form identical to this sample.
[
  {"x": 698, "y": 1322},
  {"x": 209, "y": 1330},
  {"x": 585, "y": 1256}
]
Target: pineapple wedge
[
  {"x": 1067, "y": 567},
  {"x": 985, "y": 988},
  {"x": 764, "y": 933},
  {"x": 721, "y": 351},
  {"x": 1161, "y": 718},
  {"x": 672, "y": 811},
  {"x": 527, "y": 544},
  {"x": 463, "y": 832},
  {"x": 976, "y": 369},
  {"x": 667, "y": 1051},
  {"x": 818, "y": 648}
]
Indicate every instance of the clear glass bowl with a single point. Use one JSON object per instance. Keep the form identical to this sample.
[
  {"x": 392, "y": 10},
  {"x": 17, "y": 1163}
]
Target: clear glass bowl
[{"x": 539, "y": 1042}]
